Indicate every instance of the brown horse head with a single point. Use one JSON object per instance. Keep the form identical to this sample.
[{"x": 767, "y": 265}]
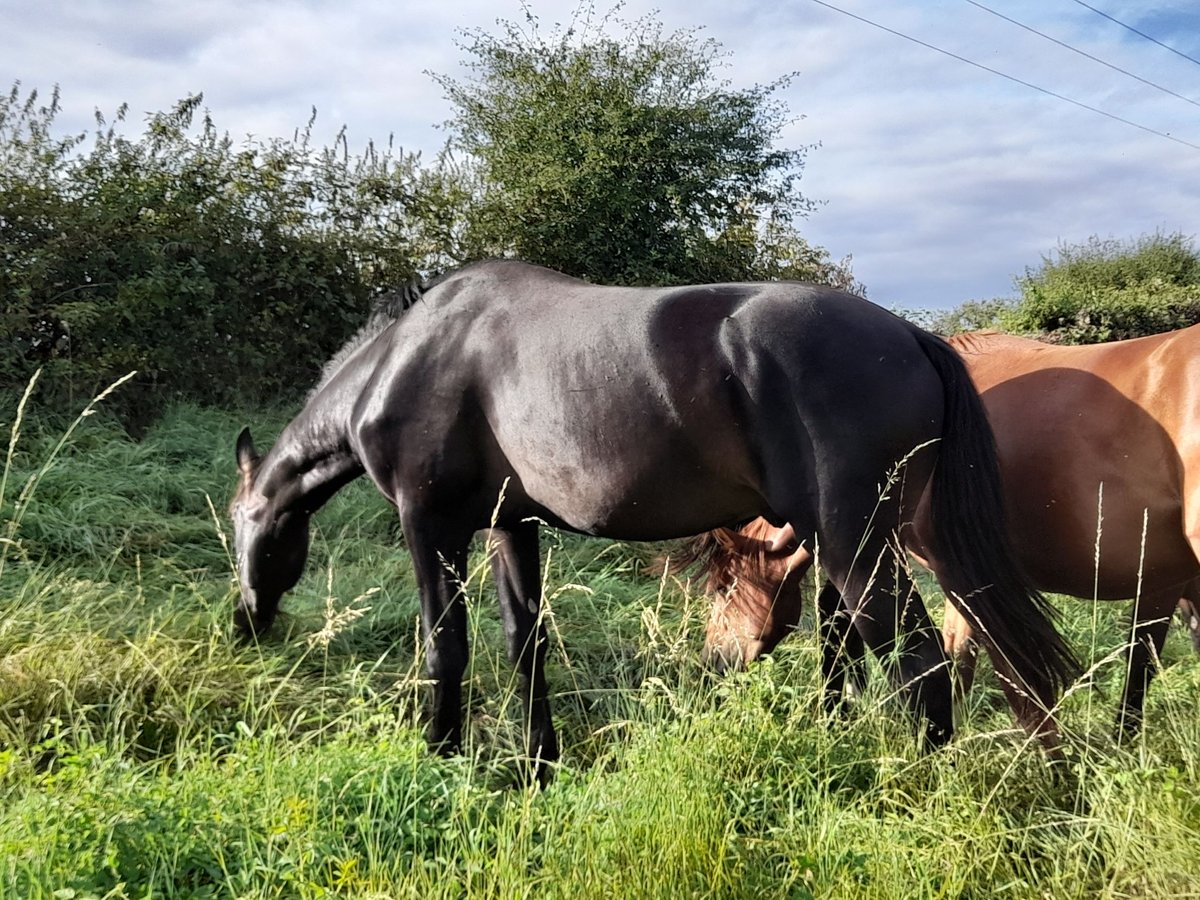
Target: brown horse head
[{"x": 753, "y": 575}]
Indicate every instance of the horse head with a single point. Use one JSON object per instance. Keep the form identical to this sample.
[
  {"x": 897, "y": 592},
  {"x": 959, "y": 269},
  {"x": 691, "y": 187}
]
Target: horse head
[
  {"x": 753, "y": 576},
  {"x": 270, "y": 541}
]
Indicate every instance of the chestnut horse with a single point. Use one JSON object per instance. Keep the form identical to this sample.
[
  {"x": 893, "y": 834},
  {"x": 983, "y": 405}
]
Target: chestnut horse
[
  {"x": 1100, "y": 453},
  {"x": 509, "y": 394}
]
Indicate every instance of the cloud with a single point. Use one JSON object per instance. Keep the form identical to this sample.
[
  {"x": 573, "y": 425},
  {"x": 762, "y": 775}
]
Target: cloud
[{"x": 945, "y": 181}]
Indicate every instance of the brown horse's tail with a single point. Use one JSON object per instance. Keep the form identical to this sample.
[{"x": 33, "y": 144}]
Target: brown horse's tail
[{"x": 972, "y": 544}]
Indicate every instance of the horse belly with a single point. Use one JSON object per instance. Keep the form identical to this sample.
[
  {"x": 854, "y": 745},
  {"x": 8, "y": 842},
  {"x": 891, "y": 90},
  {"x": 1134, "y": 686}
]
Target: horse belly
[
  {"x": 1109, "y": 544},
  {"x": 636, "y": 493},
  {"x": 628, "y": 465}
]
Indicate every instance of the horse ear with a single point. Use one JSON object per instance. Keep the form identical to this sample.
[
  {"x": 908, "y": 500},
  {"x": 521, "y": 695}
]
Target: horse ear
[
  {"x": 783, "y": 540},
  {"x": 247, "y": 456}
]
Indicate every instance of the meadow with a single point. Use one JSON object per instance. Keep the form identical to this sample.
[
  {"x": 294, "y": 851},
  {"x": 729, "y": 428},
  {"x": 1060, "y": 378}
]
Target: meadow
[{"x": 145, "y": 753}]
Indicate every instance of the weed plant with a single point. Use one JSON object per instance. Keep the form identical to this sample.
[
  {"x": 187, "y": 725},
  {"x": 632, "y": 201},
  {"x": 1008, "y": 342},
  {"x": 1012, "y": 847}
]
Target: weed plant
[{"x": 144, "y": 753}]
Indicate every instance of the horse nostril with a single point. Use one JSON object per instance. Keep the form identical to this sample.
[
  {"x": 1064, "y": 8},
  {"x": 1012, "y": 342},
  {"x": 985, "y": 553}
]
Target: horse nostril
[{"x": 717, "y": 659}]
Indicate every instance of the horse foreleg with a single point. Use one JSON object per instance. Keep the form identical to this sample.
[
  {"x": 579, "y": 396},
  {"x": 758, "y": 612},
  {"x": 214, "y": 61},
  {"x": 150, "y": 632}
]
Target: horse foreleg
[
  {"x": 514, "y": 557},
  {"x": 1151, "y": 618},
  {"x": 440, "y": 563}
]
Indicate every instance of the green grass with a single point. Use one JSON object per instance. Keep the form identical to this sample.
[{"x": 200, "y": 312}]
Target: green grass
[{"x": 145, "y": 754}]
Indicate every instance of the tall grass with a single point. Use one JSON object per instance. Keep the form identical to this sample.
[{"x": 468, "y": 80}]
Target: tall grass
[{"x": 144, "y": 753}]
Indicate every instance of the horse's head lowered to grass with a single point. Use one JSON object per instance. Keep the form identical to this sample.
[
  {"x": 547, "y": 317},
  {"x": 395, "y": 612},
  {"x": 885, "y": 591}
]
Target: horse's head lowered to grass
[{"x": 270, "y": 542}]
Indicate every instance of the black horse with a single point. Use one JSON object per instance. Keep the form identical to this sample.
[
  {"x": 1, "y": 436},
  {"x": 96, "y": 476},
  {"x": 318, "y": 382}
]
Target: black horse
[{"x": 510, "y": 393}]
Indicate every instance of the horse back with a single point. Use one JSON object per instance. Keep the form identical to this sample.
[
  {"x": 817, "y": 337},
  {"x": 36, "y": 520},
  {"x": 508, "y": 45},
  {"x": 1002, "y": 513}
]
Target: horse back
[
  {"x": 590, "y": 406},
  {"x": 595, "y": 405}
]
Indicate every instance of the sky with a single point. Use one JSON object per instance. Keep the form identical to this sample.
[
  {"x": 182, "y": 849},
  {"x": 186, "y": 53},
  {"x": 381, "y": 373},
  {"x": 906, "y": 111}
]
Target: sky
[{"x": 941, "y": 180}]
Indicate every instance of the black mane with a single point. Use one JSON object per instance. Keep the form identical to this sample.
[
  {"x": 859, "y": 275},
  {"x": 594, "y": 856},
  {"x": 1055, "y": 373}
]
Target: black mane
[{"x": 387, "y": 308}]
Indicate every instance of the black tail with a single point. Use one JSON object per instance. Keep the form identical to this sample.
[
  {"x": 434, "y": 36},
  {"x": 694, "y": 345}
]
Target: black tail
[{"x": 971, "y": 539}]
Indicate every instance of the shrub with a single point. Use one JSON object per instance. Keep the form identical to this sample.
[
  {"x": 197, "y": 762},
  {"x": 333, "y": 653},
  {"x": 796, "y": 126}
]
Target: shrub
[
  {"x": 1106, "y": 290},
  {"x": 216, "y": 271},
  {"x": 623, "y": 158}
]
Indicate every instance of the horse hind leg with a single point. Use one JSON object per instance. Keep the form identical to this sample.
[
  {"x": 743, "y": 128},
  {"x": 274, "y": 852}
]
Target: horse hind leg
[
  {"x": 887, "y": 612},
  {"x": 958, "y": 638},
  {"x": 1151, "y": 619},
  {"x": 1033, "y": 710},
  {"x": 515, "y": 566},
  {"x": 1035, "y": 714}
]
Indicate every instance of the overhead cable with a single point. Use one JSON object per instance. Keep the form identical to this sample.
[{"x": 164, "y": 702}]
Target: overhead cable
[
  {"x": 1083, "y": 53},
  {"x": 1012, "y": 78},
  {"x": 1153, "y": 40}
]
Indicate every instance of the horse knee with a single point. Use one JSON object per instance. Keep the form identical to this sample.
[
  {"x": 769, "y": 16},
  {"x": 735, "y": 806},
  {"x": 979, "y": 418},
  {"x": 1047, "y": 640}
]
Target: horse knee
[
  {"x": 527, "y": 649},
  {"x": 932, "y": 702}
]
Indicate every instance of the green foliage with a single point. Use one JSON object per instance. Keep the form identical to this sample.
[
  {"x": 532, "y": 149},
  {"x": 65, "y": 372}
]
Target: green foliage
[
  {"x": 974, "y": 315},
  {"x": 145, "y": 753},
  {"x": 219, "y": 271},
  {"x": 215, "y": 271},
  {"x": 624, "y": 160},
  {"x": 1106, "y": 290}
]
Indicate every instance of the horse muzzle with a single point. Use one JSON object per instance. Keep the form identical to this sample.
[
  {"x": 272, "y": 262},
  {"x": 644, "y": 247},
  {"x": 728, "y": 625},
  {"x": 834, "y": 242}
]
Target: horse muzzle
[
  {"x": 252, "y": 619},
  {"x": 729, "y": 656}
]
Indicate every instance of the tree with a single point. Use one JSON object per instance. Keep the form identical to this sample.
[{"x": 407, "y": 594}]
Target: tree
[
  {"x": 972, "y": 315},
  {"x": 623, "y": 159}
]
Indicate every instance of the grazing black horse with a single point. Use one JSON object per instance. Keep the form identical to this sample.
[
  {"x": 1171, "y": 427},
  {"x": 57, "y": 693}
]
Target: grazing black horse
[{"x": 644, "y": 414}]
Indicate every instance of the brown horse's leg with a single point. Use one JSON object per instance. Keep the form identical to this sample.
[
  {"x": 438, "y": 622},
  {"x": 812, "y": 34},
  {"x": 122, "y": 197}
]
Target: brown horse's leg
[
  {"x": 1034, "y": 712},
  {"x": 842, "y": 649},
  {"x": 518, "y": 582},
  {"x": 1189, "y": 602},
  {"x": 1189, "y": 611},
  {"x": 962, "y": 648},
  {"x": 439, "y": 555},
  {"x": 1151, "y": 618}
]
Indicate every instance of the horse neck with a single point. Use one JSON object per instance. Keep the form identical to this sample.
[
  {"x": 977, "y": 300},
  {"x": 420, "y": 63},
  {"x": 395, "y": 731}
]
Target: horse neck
[{"x": 311, "y": 461}]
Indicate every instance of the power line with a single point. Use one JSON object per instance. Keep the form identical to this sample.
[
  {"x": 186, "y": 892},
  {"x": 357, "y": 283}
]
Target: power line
[
  {"x": 1139, "y": 33},
  {"x": 1083, "y": 53},
  {"x": 1012, "y": 78}
]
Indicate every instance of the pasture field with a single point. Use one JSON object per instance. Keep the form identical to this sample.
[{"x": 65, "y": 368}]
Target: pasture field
[{"x": 143, "y": 753}]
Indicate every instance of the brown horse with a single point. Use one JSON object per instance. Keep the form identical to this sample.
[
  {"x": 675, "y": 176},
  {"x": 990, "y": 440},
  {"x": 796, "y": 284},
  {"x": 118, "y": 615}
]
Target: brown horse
[{"x": 1100, "y": 453}]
